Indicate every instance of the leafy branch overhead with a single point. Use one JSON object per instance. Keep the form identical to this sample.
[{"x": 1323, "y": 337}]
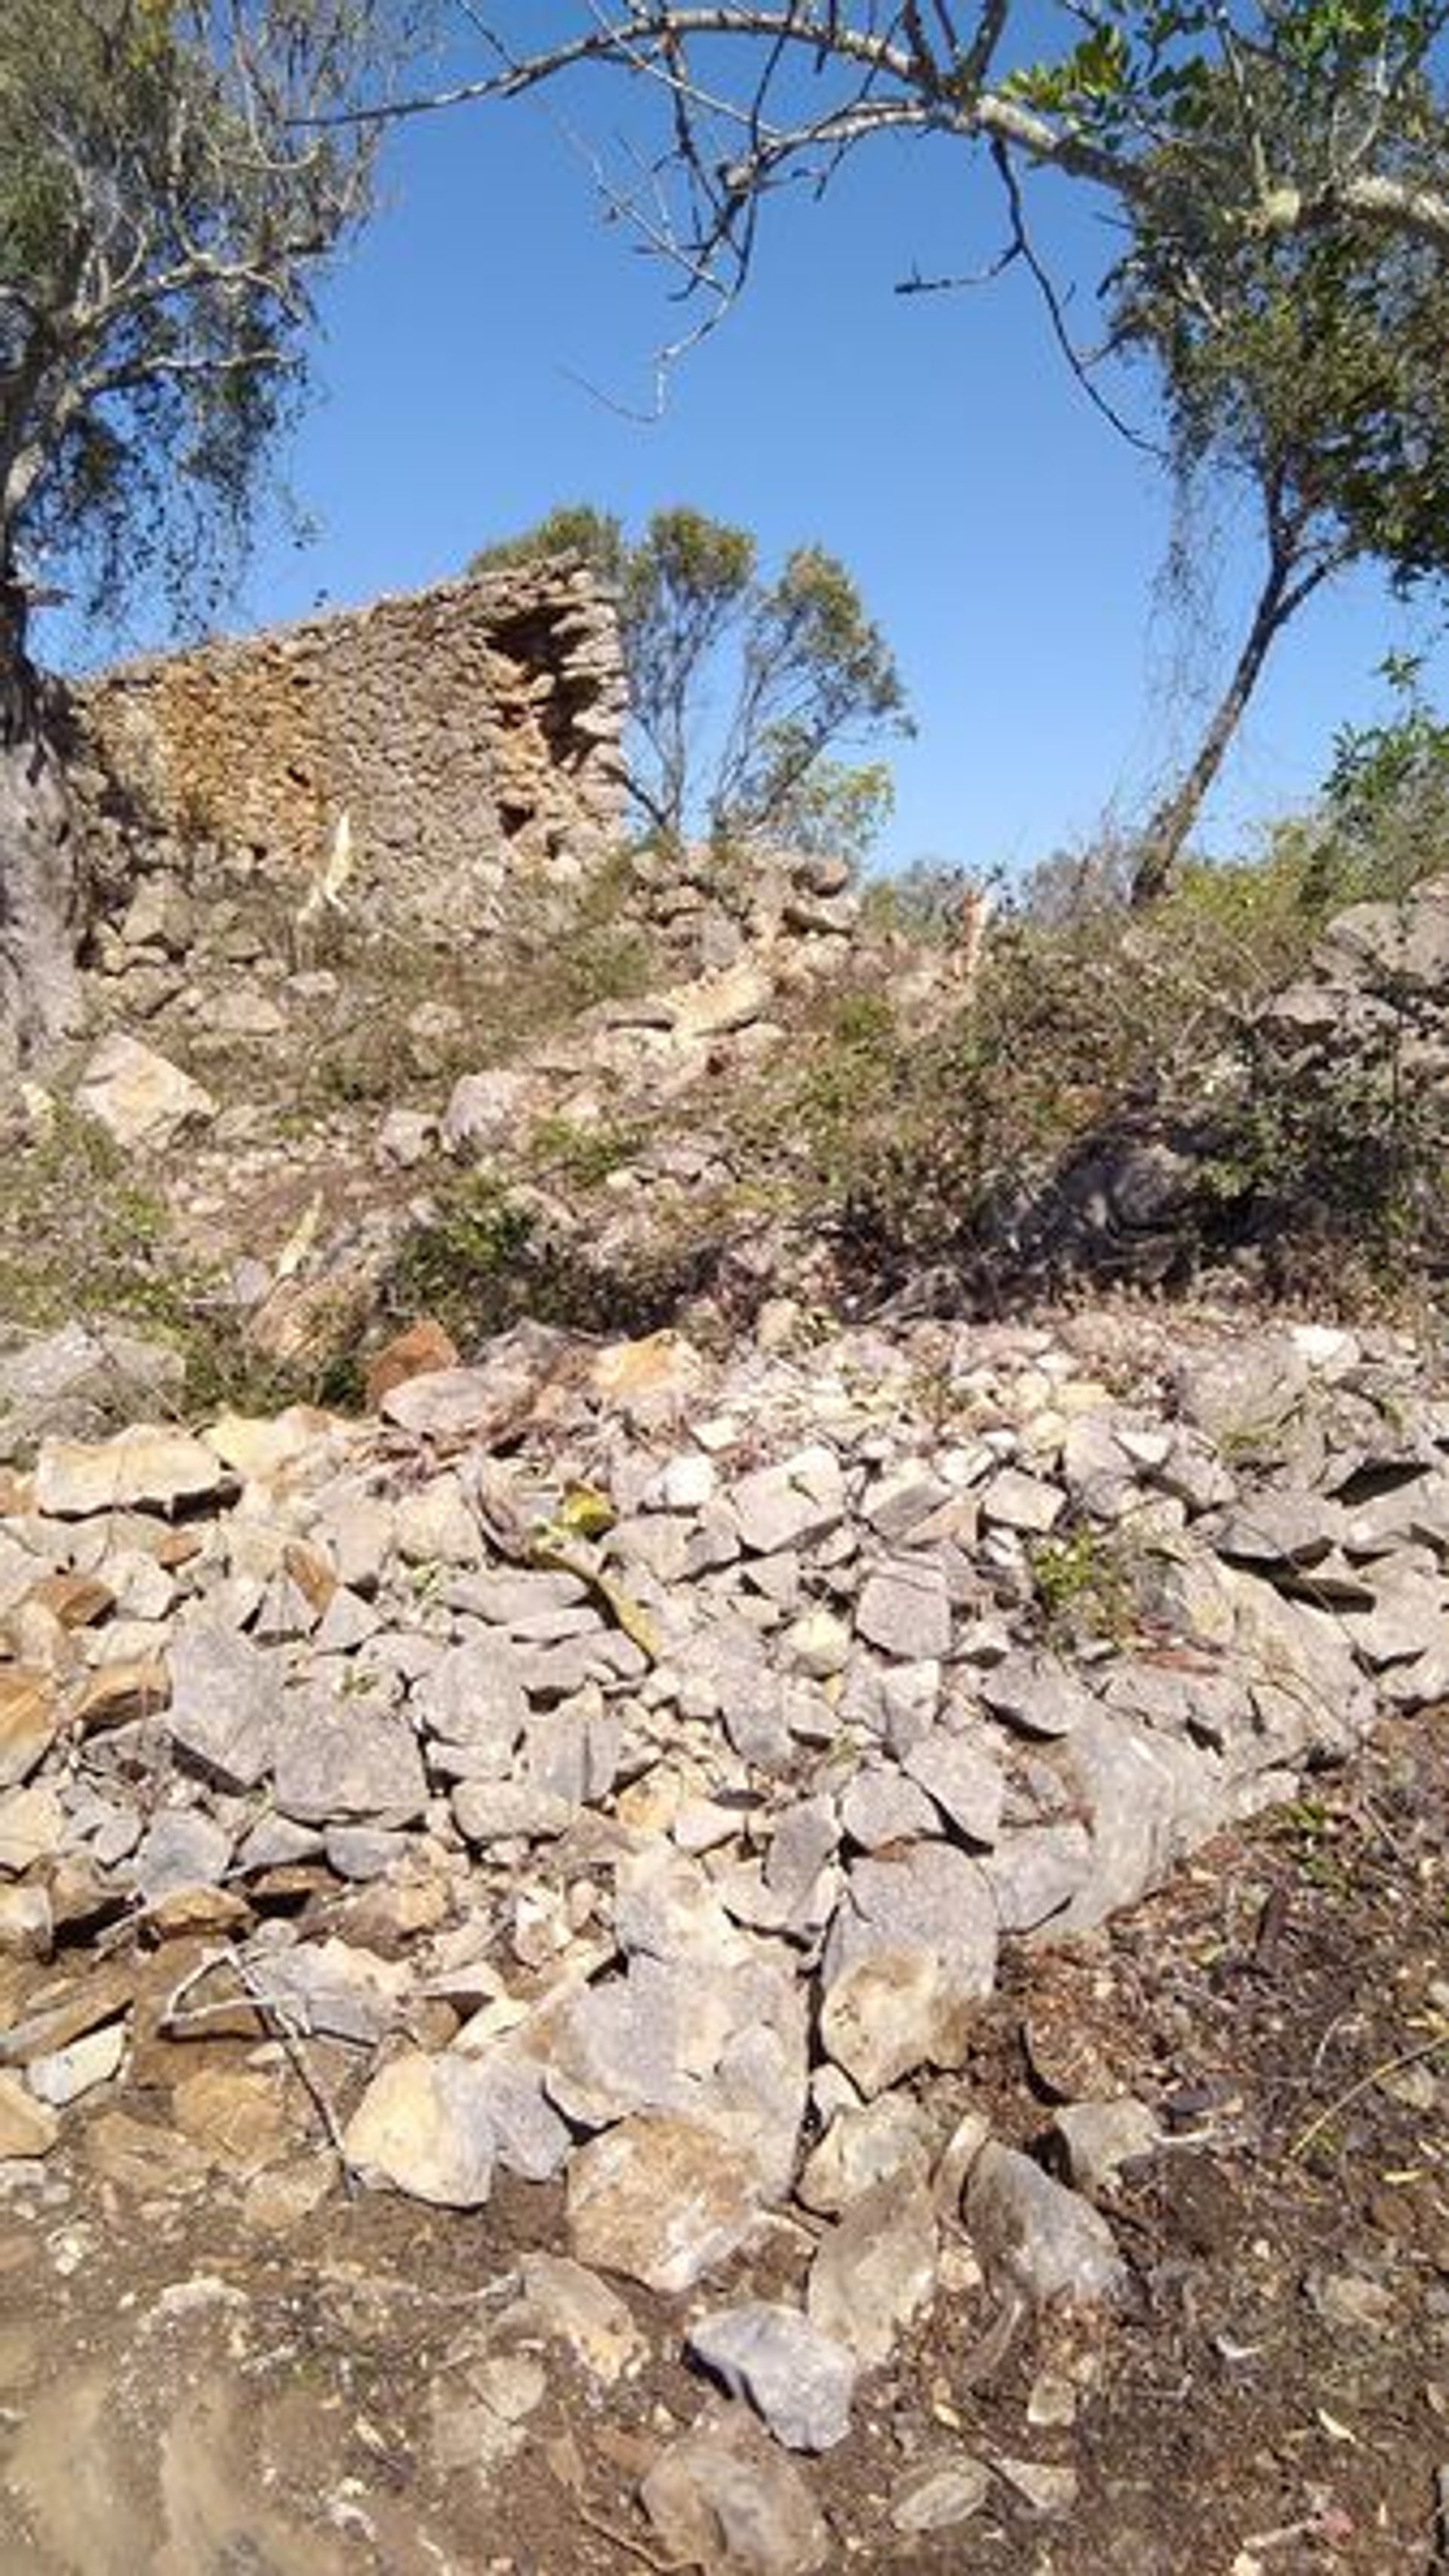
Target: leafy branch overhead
[
  {"x": 1212, "y": 119},
  {"x": 740, "y": 688},
  {"x": 166, "y": 196}
]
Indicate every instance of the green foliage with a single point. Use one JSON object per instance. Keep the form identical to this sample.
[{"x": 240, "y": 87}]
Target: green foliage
[
  {"x": 910, "y": 1141},
  {"x": 483, "y": 1261},
  {"x": 581, "y": 1157},
  {"x": 740, "y": 689},
  {"x": 838, "y": 807},
  {"x": 81, "y": 1237},
  {"x": 165, "y": 200},
  {"x": 458, "y": 1264},
  {"x": 574, "y": 528},
  {"x": 1380, "y": 769},
  {"x": 1083, "y": 1585}
]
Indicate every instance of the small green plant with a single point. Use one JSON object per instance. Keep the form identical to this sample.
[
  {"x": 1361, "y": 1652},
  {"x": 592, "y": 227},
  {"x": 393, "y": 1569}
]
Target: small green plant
[
  {"x": 1083, "y": 1585},
  {"x": 456, "y": 1265},
  {"x": 1312, "y": 1832},
  {"x": 581, "y": 1157}
]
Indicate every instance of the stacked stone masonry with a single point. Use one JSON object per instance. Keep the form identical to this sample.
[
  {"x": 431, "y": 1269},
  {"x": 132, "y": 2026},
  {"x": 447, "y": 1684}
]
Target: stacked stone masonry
[{"x": 471, "y": 734}]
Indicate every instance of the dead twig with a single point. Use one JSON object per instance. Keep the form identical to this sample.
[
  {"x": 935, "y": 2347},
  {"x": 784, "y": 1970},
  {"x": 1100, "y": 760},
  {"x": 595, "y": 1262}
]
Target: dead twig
[
  {"x": 289, "y": 2035},
  {"x": 1365, "y": 2084}
]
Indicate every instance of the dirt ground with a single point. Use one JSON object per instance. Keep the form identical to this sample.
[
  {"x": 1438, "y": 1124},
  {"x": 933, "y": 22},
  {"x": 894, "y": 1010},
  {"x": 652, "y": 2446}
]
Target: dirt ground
[{"x": 184, "y": 2394}]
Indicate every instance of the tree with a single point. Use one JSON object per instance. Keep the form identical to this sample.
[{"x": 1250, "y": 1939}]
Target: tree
[
  {"x": 1318, "y": 371},
  {"x": 166, "y": 195},
  {"x": 740, "y": 689}
]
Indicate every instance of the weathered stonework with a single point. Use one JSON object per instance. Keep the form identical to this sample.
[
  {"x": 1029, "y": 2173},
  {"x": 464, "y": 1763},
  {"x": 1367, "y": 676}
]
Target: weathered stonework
[{"x": 470, "y": 733}]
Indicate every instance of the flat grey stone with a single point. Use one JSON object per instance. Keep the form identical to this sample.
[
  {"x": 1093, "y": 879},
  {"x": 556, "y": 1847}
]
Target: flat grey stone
[
  {"x": 723, "y": 2496},
  {"x": 337, "y": 1761},
  {"x": 886, "y": 2141},
  {"x": 474, "y": 1696},
  {"x": 1035, "y": 2238},
  {"x": 347, "y": 1622},
  {"x": 225, "y": 1716},
  {"x": 516, "y": 1600},
  {"x": 910, "y": 1952},
  {"x": 875, "y": 2270},
  {"x": 880, "y": 1805},
  {"x": 905, "y": 1609},
  {"x": 1281, "y": 1529},
  {"x": 799, "y": 2380},
  {"x": 802, "y": 1842},
  {"x": 901, "y": 1499},
  {"x": 1412, "y": 1513},
  {"x": 965, "y": 1781},
  {"x": 1035, "y": 1693},
  {"x": 331, "y": 1989},
  {"x": 1036, "y": 1871},
  {"x": 1101, "y": 2137},
  {"x": 140, "y": 1098},
  {"x": 276, "y": 1843},
  {"x": 1211, "y": 1706},
  {"x": 1128, "y": 1783},
  {"x": 666, "y": 1906},
  {"x": 75, "y": 1383},
  {"x": 1409, "y": 1618},
  {"x": 1243, "y": 1396},
  {"x": 628, "y": 2044},
  {"x": 362, "y": 1852},
  {"x": 1048, "y": 2486},
  {"x": 180, "y": 1848},
  {"x": 751, "y": 1698},
  {"x": 550, "y": 1673},
  {"x": 67, "y": 2074},
  {"x": 529, "y": 2136},
  {"x": 496, "y": 1811},
  {"x": 789, "y": 1505},
  {"x": 1027, "y": 1504},
  {"x": 572, "y": 1754},
  {"x": 939, "y": 2494},
  {"x": 435, "y": 1525},
  {"x": 484, "y": 1110}
]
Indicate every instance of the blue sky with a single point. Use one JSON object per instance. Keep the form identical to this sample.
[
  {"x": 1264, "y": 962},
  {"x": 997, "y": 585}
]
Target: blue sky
[{"x": 490, "y": 336}]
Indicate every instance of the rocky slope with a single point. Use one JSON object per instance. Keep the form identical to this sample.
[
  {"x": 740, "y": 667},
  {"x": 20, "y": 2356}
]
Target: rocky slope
[
  {"x": 630, "y": 1773},
  {"x": 586, "y": 1804}
]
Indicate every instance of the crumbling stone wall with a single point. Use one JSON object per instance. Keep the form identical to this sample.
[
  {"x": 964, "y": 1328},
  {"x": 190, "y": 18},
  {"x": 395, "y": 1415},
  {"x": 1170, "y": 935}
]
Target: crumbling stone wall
[{"x": 471, "y": 734}]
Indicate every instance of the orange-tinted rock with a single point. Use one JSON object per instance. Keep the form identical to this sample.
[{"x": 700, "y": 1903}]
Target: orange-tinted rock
[
  {"x": 76, "y": 1600},
  {"x": 115, "y": 1693},
  {"x": 422, "y": 1348},
  {"x": 29, "y": 1721}
]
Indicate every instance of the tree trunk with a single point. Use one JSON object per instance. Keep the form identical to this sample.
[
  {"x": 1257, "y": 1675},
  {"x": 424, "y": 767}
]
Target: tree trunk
[
  {"x": 39, "y": 985},
  {"x": 1279, "y": 599}
]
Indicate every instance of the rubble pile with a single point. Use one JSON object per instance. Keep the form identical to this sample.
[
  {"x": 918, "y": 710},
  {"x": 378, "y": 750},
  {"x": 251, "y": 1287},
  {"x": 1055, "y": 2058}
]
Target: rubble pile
[{"x": 619, "y": 1768}]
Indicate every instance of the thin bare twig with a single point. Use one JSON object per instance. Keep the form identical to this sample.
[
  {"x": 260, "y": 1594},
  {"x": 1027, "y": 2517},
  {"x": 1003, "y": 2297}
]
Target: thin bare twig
[{"x": 1365, "y": 2084}]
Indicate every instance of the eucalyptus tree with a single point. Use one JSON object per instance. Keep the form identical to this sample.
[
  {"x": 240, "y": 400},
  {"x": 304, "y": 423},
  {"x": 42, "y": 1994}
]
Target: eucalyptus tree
[
  {"x": 172, "y": 179},
  {"x": 1314, "y": 371}
]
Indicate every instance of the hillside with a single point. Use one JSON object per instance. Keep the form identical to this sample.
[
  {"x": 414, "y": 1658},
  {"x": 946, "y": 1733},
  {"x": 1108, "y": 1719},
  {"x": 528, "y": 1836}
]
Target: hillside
[{"x": 722, "y": 1780}]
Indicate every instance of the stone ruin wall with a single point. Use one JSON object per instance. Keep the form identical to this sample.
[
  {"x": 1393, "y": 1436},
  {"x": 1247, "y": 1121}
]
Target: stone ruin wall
[{"x": 470, "y": 732}]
